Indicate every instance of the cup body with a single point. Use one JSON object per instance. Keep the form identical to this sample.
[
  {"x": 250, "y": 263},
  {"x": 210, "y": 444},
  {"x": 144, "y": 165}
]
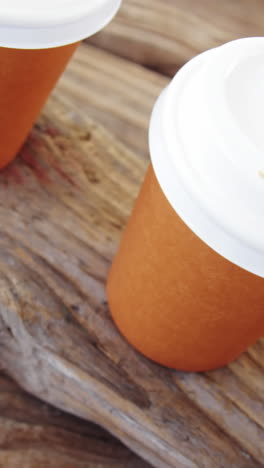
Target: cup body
[
  {"x": 26, "y": 79},
  {"x": 173, "y": 297}
]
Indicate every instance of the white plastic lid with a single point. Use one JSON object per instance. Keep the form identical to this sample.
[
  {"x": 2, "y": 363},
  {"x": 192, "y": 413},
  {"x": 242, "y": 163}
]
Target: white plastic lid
[
  {"x": 34, "y": 24},
  {"x": 207, "y": 149}
]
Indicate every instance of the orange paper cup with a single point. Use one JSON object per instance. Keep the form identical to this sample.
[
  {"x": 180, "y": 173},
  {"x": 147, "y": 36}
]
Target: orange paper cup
[
  {"x": 36, "y": 44},
  {"x": 186, "y": 287},
  {"x": 26, "y": 79}
]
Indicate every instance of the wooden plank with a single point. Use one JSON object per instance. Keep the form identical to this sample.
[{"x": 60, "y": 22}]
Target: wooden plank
[
  {"x": 114, "y": 92},
  {"x": 62, "y": 208},
  {"x": 164, "y": 34},
  {"x": 34, "y": 434}
]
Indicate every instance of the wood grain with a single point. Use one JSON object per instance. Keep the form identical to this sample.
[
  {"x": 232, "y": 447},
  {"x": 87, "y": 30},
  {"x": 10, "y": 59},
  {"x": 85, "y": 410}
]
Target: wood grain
[
  {"x": 33, "y": 434},
  {"x": 164, "y": 34},
  {"x": 113, "y": 92},
  {"x": 63, "y": 205}
]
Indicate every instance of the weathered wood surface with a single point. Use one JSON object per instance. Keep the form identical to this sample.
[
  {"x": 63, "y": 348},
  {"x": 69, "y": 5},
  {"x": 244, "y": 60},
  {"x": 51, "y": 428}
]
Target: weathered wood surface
[
  {"x": 114, "y": 92},
  {"x": 34, "y": 434},
  {"x": 164, "y": 34},
  {"x": 63, "y": 205}
]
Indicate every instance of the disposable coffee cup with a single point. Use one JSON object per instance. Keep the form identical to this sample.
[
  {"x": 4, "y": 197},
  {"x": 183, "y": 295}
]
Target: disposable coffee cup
[
  {"x": 36, "y": 43},
  {"x": 186, "y": 287}
]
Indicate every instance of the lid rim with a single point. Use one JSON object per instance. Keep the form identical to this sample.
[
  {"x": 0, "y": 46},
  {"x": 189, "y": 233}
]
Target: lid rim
[{"x": 57, "y": 34}]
